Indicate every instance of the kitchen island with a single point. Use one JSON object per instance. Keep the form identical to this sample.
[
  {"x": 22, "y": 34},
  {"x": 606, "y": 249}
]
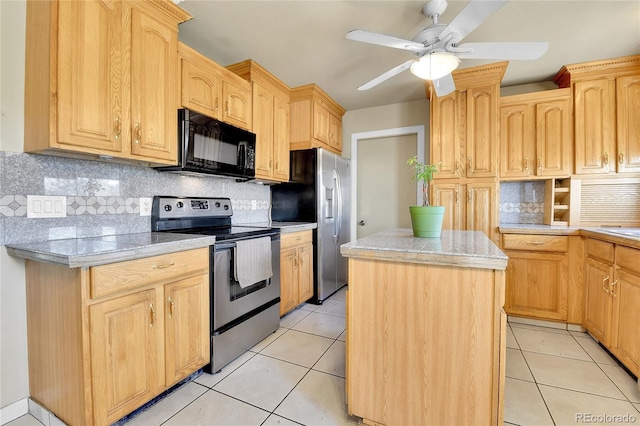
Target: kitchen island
[{"x": 426, "y": 329}]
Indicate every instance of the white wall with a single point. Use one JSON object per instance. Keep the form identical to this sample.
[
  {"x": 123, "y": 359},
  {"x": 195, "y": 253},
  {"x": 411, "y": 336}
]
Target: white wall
[{"x": 14, "y": 378}]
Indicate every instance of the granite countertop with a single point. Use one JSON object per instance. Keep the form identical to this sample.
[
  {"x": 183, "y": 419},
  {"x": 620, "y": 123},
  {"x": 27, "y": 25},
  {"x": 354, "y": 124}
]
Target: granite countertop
[
  {"x": 94, "y": 251},
  {"x": 465, "y": 249},
  {"x": 618, "y": 235},
  {"x": 284, "y": 227}
]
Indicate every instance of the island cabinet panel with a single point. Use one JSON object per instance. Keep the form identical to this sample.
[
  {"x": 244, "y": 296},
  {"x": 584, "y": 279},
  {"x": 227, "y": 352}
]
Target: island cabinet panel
[
  {"x": 101, "y": 345},
  {"x": 424, "y": 344}
]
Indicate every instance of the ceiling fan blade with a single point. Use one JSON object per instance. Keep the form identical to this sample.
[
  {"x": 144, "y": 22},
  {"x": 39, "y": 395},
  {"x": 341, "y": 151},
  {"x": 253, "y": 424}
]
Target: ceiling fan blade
[
  {"x": 501, "y": 50},
  {"x": 387, "y": 75},
  {"x": 473, "y": 14},
  {"x": 444, "y": 85},
  {"x": 384, "y": 40}
]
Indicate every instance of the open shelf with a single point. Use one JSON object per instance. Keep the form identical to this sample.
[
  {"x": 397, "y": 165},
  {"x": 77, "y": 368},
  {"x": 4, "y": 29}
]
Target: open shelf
[{"x": 557, "y": 209}]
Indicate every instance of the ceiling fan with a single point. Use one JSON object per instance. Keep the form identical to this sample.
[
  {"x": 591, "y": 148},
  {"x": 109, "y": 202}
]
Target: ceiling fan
[{"x": 437, "y": 49}]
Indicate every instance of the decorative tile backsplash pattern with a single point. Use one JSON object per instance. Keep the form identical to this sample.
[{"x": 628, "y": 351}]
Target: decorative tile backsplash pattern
[
  {"x": 103, "y": 198},
  {"x": 522, "y": 202}
]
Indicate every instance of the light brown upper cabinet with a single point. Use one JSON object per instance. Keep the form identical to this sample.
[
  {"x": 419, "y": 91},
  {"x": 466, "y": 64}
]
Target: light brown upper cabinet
[
  {"x": 212, "y": 90},
  {"x": 271, "y": 120},
  {"x": 464, "y": 124},
  {"x": 316, "y": 120},
  {"x": 535, "y": 134},
  {"x": 101, "y": 79},
  {"x": 606, "y": 108}
]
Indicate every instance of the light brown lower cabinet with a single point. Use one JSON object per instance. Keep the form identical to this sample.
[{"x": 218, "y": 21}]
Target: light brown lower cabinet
[
  {"x": 104, "y": 340},
  {"x": 612, "y": 299},
  {"x": 296, "y": 269},
  {"x": 425, "y": 344}
]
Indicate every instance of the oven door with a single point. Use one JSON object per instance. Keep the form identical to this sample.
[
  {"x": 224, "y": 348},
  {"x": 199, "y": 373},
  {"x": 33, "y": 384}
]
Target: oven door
[{"x": 230, "y": 301}]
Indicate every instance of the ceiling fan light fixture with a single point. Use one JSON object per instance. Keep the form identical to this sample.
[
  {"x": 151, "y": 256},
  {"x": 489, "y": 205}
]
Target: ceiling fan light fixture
[{"x": 434, "y": 65}]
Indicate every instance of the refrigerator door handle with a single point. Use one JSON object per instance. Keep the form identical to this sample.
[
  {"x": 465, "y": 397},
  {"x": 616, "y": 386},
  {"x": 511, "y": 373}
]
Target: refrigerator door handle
[{"x": 336, "y": 177}]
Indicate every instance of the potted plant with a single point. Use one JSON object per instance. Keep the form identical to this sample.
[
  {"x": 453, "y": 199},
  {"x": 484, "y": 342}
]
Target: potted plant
[{"x": 426, "y": 220}]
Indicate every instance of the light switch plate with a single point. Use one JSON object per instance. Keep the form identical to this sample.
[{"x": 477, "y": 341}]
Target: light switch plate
[
  {"x": 145, "y": 206},
  {"x": 41, "y": 206}
]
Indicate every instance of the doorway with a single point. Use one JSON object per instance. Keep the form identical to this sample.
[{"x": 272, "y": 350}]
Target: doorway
[{"x": 383, "y": 188}]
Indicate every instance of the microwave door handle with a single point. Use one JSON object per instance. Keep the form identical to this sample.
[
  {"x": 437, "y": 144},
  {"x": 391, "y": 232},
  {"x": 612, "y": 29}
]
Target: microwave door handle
[{"x": 242, "y": 156}]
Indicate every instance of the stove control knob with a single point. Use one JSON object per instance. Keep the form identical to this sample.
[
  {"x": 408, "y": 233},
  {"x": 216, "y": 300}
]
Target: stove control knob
[
  {"x": 226, "y": 206},
  {"x": 217, "y": 204},
  {"x": 167, "y": 208},
  {"x": 179, "y": 204}
]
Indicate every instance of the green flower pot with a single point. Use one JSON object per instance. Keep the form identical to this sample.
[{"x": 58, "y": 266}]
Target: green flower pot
[{"x": 426, "y": 220}]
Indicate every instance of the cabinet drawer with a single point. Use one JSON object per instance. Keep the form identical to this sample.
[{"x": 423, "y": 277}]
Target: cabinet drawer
[
  {"x": 116, "y": 277},
  {"x": 599, "y": 250},
  {"x": 296, "y": 239},
  {"x": 627, "y": 258},
  {"x": 557, "y": 243}
]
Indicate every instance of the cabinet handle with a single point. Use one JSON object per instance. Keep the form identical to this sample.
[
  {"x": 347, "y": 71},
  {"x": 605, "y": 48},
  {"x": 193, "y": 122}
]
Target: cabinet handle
[
  {"x": 226, "y": 106},
  {"x": 621, "y": 158},
  {"x": 270, "y": 163},
  {"x": 170, "y": 300},
  {"x": 535, "y": 243},
  {"x": 152, "y": 314},
  {"x": 138, "y": 132},
  {"x": 217, "y": 103},
  {"x": 606, "y": 290},
  {"x": 613, "y": 293},
  {"x": 606, "y": 159},
  {"x": 166, "y": 265},
  {"x": 457, "y": 196},
  {"x": 457, "y": 167},
  {"x": 526, "y": 164},
  {"x": 295, "y": 261},
  {"x": 469, "y": 166},
  {"x": 301, "y": 261},
  {"x": 539, "y": 163},
  {"x": 276, "y": 167},
  {"x": 468, "y": 195},
  {"x": 118, "y": 128}
]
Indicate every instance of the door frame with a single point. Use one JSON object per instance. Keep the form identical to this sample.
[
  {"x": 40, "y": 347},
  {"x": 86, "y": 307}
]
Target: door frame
[{"x": 377, "y": 134}]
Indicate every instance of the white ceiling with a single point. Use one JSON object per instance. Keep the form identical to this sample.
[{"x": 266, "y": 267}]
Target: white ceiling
[{"x": 303, "y": 41}]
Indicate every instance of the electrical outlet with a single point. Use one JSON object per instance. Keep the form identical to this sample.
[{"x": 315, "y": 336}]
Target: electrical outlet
[
  {"x": 145, "y": 206},
  {"x": 40, "y": 206}
]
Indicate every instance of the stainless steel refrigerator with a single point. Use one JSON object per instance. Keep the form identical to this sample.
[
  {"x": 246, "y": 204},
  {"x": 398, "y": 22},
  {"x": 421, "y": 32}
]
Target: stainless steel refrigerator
[{"x": 319, "y": 191}]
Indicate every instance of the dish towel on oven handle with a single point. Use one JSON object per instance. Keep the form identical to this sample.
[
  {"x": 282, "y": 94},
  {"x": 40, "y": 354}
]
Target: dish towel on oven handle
[{"x": 252, "y": 261}]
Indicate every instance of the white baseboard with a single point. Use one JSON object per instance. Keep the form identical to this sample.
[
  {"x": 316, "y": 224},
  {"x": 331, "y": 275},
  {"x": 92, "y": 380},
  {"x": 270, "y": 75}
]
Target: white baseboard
[
  {"x": 13, "y": 411},
  {"x": 28, "y": 406}
]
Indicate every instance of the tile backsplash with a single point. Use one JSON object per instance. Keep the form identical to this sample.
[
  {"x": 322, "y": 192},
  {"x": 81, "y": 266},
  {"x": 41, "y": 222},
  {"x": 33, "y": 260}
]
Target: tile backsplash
[
  {"x": 522, "y": 202},
  {"x": 103, "y": 198}
]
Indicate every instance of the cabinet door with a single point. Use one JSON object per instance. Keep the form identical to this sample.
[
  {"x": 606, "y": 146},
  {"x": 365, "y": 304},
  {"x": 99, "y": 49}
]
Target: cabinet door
[
  {"x": 446, "y": 136},
  {"x": 263, "y": 128},
  {"x": 626, "y": 319},
  {"x": 90, "y": 110},
  {"x": 481, "y": 208},
  {"x": 154, "y": 90},
  {"x": 201, "y": 90},
  {"x": 598, "y": 305},
  {"x": 553, "y": 138},
  {"x": 628, "y": 115},
  {"x": 482, "y": 132},
  {"x": 517, "y": 141},
  {"x": 594, "y": 124},
  {"x": 186, "y": 327},
  {"x": 126, "y": 353},
  {"x": 537, "y": 285},
  {"x": 281, "y": 138},
  {"x": 452, "y": 197},
  {"x": 305, "y": 273},
  {"x": 335, "y": 133},
  {"x": 288, "y": 280},
  {"x": 320, "y": 123},
  {"x": 237, "y": 105}
]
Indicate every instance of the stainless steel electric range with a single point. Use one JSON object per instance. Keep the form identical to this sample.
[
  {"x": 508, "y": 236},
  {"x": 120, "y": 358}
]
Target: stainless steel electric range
[{"x": 243, "y": 312}]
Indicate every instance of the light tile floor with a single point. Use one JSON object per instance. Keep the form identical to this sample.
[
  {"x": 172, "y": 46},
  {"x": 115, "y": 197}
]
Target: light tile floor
[{"x": 296, "y": 376}]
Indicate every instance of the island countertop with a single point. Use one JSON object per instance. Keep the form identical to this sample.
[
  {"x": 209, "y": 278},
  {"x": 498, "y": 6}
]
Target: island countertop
[
  {"x": 465, "y": 249},
  {"x": 94, "y": 251}
]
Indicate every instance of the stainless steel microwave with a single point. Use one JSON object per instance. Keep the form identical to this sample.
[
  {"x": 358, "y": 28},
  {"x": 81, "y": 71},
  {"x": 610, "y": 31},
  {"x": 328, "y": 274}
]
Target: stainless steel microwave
[{"x": 210, "y": 146}]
